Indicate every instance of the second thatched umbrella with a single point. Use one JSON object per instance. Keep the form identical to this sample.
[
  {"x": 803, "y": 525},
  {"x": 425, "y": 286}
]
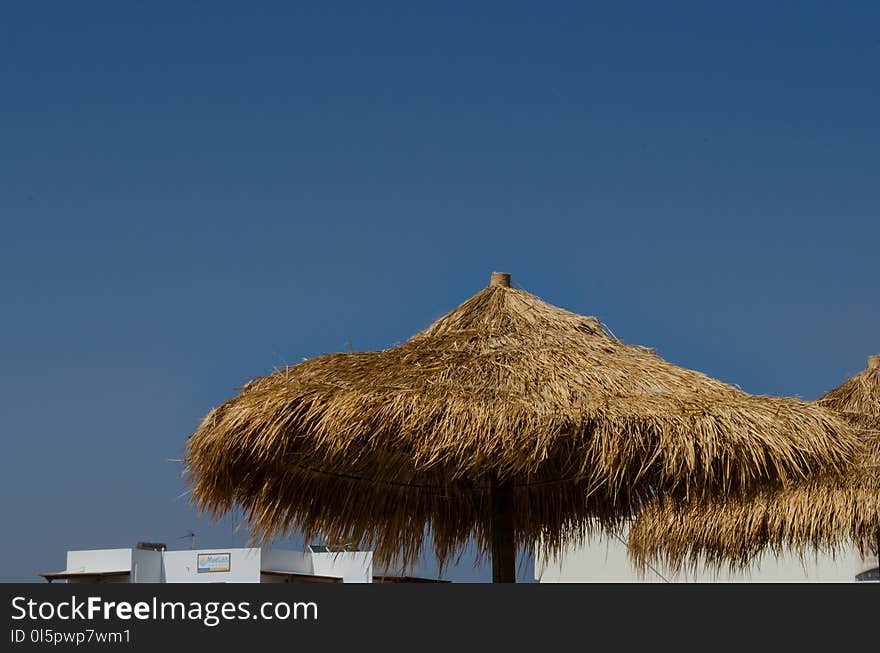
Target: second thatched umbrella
[
  {"x": 822, "y": 513},
  {"x": 508, "y": 420}
]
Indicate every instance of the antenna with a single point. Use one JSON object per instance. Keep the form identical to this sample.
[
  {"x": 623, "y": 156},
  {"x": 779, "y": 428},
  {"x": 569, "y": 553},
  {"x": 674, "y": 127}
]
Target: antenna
[{"x": 192, "y": 539}]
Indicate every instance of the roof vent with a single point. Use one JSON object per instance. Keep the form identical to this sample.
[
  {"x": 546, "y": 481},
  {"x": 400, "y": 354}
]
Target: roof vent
[{"x": 151, "y": 546}]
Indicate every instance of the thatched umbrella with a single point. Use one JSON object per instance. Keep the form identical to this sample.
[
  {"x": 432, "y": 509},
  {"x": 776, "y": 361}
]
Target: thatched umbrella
[
  {"x": 822, "y": 513},
  {"x": 508, "y": 420}
]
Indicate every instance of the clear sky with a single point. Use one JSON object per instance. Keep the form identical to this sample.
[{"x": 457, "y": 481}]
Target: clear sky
[{"x": 192, "y": 194}]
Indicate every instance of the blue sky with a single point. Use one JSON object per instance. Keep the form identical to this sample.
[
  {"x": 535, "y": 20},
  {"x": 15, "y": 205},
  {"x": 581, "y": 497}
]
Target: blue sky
[{"x": 192, "y": 194}]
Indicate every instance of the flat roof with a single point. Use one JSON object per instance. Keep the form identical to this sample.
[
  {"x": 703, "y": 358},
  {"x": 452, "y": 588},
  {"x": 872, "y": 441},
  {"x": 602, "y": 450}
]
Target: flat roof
[
  {"x": 406, "y": 579},
  {"x": 295, "y": 577},
  {"x": 62, "y": 575}
]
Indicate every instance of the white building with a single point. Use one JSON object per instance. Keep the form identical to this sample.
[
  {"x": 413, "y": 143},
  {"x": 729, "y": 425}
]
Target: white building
[
  {"x": 604, "y": 559},
  {"x": 153, "y": 563}
]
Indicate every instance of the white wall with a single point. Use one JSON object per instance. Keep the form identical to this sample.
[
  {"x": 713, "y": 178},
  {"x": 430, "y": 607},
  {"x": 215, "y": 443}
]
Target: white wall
[
  {"x": 182, "y": 567},
  {"x": 99, "y": 560},
  {"x": 352, "y": 566},
  {"x": 146, "y": 566},
  {"x": 297, "y": 562},
  {"x": 604, "y": 559}
]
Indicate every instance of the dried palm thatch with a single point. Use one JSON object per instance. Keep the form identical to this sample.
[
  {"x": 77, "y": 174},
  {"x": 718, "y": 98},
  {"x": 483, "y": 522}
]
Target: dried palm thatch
[
  {"x": 820, "y": 514},
  {"x": 507, "y": 415}
]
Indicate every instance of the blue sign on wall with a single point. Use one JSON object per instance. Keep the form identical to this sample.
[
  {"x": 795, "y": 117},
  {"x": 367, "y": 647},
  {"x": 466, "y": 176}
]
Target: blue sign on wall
[{"x": 209, "y": 562}]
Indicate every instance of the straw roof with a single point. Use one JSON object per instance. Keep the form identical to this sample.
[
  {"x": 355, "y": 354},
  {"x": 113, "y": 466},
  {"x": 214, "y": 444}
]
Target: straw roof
[
  {"x": 822, "y": 513},
  {"x": 379, "y": 448}
]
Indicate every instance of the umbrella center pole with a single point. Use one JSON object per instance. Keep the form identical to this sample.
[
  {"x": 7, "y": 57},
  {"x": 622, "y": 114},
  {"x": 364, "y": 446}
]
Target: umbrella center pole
[{"x": 503, "y": 542}]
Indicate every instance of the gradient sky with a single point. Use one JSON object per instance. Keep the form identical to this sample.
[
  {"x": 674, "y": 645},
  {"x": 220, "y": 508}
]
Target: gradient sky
[{"x": 192, "y": 194}]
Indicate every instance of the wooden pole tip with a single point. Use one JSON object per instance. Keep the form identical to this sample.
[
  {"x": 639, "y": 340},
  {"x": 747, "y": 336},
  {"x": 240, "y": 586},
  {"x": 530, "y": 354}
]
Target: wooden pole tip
[{"x": 500, "y": 279}]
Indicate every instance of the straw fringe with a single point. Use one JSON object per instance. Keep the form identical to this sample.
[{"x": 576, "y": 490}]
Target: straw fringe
[{"x": 817, "y": 515}]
